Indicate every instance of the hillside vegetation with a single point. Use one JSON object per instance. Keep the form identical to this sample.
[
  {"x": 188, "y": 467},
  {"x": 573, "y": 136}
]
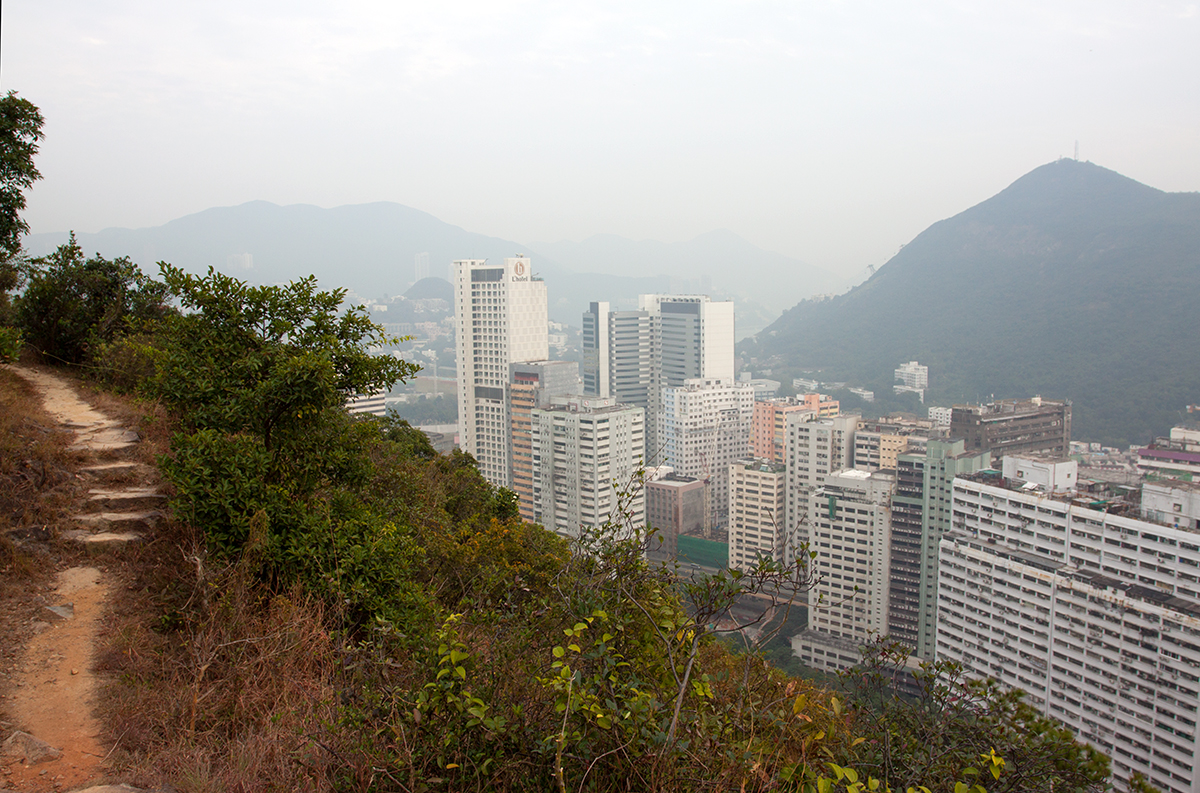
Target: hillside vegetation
[
  {"x": 1075, "y": 282},
  {"x": 335, "y": 606}
]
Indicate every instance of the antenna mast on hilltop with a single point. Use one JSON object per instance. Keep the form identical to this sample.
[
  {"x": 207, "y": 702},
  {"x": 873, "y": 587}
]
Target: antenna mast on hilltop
[{"x": 1076, "y": 151}]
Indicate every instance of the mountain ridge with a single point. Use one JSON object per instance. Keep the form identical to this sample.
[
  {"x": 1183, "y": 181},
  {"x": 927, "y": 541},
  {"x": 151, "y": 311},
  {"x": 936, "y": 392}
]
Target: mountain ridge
[
  {"x": 371, "y": 248},
  {"x": 1071, "y": 282}
]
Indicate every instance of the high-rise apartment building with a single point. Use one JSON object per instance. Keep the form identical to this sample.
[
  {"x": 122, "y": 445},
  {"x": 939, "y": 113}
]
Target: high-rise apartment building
[
  {"x": 921, "y": 515},
  {"x": 849, "y": 527},
  {"x": 531, "y": 385},
  {"x": 500, "y": 318},
  {"x": 704, "y": 427},
  {"x": 768, "y": 430},
  {"x": 1014, "y": 426},
  {"x": 586, "y": 455},
  {"x": 1090, "y": 605},
  {"x": 816, "y": 447},
  {"x": 757, "y": 494}
]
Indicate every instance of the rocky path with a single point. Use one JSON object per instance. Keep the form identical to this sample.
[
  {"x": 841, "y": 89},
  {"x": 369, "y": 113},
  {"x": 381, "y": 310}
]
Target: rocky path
[{"x": 56, "y": 743}]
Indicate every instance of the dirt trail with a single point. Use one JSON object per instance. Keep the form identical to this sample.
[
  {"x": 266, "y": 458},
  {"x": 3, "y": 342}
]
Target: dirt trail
[{"x": 54, "y": 684}]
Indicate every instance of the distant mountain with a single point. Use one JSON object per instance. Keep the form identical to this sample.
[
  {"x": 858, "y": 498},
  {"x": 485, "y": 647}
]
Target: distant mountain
[
  {"x": 370, "y": 249},
  {"x": 1074, "y": 282},
  {"x": 431, "y": 288},
  {"x": 717, "y": 262}
]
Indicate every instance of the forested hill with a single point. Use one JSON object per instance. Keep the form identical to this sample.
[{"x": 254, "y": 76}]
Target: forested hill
[{"x": 1074, "y": 282}]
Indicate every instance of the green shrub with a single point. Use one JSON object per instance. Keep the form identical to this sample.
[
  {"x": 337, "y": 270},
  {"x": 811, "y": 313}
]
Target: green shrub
[
  {"x": 10, "y": 344},
  {"x": 72, "y": 305}
]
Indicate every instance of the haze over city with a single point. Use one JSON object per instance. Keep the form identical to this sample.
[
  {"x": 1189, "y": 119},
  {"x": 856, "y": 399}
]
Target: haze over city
[{"x": 830, "y": 132}]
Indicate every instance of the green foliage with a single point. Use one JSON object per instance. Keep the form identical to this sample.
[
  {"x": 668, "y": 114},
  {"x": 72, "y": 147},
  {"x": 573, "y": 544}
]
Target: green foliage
[
  {"x": 10, "y": 344},
  {"x": 909, "y": 742},
  {"x": 267, "y": 359},
  {"x": 20, "y": 133},
  {"x": 71, "y": 306}
]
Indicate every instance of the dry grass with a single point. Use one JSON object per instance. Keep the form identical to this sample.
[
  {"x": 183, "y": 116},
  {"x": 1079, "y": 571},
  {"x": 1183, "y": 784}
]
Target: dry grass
[
  {"x": 215, "y": 685},
  {"x": 36, "y": 479}
]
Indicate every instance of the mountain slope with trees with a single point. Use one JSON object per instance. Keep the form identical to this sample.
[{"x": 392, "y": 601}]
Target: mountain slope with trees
[{"x": 1073, "y": 282}]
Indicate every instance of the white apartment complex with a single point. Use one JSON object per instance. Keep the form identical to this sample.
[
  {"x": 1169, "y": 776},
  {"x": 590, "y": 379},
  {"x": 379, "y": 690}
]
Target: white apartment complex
[
  {"x": 501, "y": 318},
  {"x": 913, "y": 375},
  {"x": 586, "y": 451},
  {"x": 704, "y": 428},
  {"x": 757, "y": 495},
  {"x": 849, "y": 526},
  {"x": 815, "y": 448},
  {"x": 1091, "y": 605}
]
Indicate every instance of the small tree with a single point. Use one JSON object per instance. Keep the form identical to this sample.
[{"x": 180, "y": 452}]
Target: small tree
[
  {"x": 20, "y": 132},
  {"x": 71, "y": 305}
]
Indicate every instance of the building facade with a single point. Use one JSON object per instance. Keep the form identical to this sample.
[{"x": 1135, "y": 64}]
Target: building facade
[
  {"x": 768, "y": 428},
  {"x": 500, "y": 318},
  {"x": 587, "y": 452},
  {"x": 849, "y": 527},
  {"x": 704, "y": 428},
  {"x": 1014, "y": 426},
  {"x": 921, "y": 515},
  {"x": 1090, "y": 607},
  {"x": 816, "y": 447},
  {"x": 675, "y": 505},
  {"x": 531, "y": 385},
  {"x": 757, "y": 505}
]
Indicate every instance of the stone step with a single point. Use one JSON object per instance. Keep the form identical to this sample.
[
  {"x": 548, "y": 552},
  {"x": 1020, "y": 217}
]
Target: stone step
[
  {"x": 102, "y": 539},
  {"x": 103, "y": 437},
  {"x": 125, "y": 499},
  {"x": 144, "y": 520},
  {"x": 115, "y": 467}
]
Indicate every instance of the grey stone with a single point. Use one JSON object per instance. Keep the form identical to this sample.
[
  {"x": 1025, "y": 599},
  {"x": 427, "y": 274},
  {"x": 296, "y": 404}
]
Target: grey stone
[
  {"x": 64, "y": 612},
  {"x": 33, "y": 750}
]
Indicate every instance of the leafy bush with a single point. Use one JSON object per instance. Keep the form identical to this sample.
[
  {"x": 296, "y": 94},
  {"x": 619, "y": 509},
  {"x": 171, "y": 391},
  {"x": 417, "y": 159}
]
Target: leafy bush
[
  {"x": 72, "y": 305},
  {"x": 10, "y": 344}
]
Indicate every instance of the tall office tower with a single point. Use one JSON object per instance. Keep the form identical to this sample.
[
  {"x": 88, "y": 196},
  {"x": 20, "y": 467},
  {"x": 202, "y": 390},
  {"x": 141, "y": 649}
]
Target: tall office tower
[
  {"x": 757, "y": 490},
  {"x": 586, "y": 454},
  {"x": 849, "y": 520},
  {"x": 531, "y": 385},
  {"x": 675, "y": 505},
  {"x": 703, "y": 429},
  {"x": 500, "y": 318},
  {"x": 1086, "y": 601},
  {"x": 768, "y": 432},
  {"x": 617, "y": 355},
  {"x": 921, "y": 515},
  {"x": 816, "y": 447},
  {"x": 692, "y": 337},
  {"x": 1014, "y": 426},
  {"x": 420, "y": 266}
]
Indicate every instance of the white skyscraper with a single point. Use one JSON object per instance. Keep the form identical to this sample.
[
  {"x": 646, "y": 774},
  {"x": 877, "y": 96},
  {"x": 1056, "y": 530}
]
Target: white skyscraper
[{"x": 500, "y": 318}]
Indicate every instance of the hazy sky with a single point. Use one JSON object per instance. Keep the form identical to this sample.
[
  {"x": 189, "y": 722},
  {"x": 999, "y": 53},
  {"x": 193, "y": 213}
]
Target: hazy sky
[{"x": 830, "y": 131}]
